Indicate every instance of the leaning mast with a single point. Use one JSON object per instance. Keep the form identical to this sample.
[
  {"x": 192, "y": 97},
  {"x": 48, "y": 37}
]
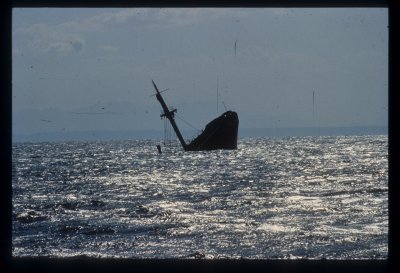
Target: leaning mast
[{"x": 170, "y": 115}]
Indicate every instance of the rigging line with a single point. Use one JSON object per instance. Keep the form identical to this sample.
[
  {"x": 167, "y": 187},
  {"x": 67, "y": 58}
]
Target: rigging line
[
  {"x": 224, "y": 105},
  {"x": 165, "y": 131},
  {"x": 169, "y": 134},
  {"x": 187, "y": 123}
]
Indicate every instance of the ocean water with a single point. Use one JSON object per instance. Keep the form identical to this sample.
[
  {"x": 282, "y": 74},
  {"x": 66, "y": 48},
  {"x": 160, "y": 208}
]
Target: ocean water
[{"x": 272, "y": 198}]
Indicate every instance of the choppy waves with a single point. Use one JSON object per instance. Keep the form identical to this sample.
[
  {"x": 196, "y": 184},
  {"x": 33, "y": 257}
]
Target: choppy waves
[{"x": 272, "y": 198}]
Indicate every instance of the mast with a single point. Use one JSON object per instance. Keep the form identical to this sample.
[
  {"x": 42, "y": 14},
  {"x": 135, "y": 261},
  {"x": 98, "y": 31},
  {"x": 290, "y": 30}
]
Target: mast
[{"x": 170, "y": 115}]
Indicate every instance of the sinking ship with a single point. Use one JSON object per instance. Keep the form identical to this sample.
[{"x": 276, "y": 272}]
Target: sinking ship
[{"x": 220, "y": 133}]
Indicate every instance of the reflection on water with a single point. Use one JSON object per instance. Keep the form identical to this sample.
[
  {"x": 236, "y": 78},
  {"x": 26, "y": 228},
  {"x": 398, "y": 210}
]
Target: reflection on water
[{"x": 272, "y": 198}]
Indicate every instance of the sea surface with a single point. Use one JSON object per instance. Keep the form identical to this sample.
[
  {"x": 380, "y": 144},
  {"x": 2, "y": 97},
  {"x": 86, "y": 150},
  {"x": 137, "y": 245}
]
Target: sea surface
[{"x": 272, "y": 198}]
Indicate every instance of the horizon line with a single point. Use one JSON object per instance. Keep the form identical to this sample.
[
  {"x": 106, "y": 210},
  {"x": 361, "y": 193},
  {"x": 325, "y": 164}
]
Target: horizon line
[{"x": 157, "y": 134}]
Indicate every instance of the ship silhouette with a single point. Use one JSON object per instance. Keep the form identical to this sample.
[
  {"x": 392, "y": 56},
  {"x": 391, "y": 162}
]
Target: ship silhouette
[{"x": 220, "y": 133}]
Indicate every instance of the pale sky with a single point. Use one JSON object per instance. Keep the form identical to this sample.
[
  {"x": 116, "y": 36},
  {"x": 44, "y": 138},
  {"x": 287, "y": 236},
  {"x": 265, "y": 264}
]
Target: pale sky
[{"x": 80, "y": 69}]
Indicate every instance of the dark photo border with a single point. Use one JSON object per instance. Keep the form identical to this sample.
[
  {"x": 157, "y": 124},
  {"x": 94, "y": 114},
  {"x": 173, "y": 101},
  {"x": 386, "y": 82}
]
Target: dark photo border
[{"x": 10, "y": 264}]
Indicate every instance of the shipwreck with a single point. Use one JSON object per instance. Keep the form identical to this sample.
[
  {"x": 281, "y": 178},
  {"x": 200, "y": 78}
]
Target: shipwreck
[{"x": 220, "y": 133}]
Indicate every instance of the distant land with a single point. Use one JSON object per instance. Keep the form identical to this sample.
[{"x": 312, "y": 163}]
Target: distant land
[{"x": 159, "y": 134}]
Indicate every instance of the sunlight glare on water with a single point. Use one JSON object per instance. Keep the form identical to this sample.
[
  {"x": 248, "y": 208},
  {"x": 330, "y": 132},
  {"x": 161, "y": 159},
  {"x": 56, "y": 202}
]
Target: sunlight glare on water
[{"x": 302, "y": 197}]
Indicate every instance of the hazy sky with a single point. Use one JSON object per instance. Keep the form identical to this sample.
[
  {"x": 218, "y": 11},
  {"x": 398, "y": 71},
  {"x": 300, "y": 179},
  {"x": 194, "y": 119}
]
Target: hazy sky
[{"x": 91, "y": 69}]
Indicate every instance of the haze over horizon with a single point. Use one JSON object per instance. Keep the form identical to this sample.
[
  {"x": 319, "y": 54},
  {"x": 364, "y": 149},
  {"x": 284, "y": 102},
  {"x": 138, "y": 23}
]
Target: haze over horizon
[{"x": 90, "y": 69}]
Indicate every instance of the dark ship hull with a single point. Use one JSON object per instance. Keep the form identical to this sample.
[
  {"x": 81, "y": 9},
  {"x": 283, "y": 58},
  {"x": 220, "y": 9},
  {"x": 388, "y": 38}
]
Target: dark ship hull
[{"x": 220, "y": 133}]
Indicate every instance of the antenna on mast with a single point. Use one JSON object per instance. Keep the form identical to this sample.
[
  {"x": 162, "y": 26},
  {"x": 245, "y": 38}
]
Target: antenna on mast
[
  {"x": 235, "y": 47},
  {"x": 217, "y": 94},
  {"x": 313, "y": 103}
]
